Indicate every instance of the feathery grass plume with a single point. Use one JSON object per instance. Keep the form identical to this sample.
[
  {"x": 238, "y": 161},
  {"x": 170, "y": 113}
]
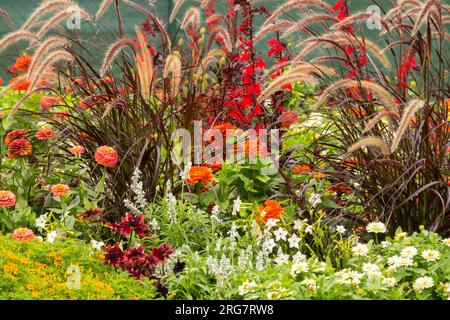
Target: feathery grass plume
[
  {"x": 305, "y": 22},
  {"x": 112, "y": 53},
  {"x": 303, "y": 72},
  {"x": 49, "y": 44},
  {"x": 209, "y": 59},
  {"x": 155, "y": 20},
  {"x": 50, "y": 60},
  {"x": 350, "y": 19},
  {"x": 327, "y": 59},
  {"x": 221, "y": 32},
  {"x": 408, "y": 114},
  {"x": 305, "y": 51},
  {"x": 173, "y": 67},
  {"x": 377, "y": 118},
  {"x": 6, "y": 16},
  {"x": 144, "y": 66},
  {"x": 102, "y": 9},
  {"x": 393, "y": 45},
  {"x": 191, "y": 18},
  {"x": 349, "y": 83},
  {"x": 295, "y": 4},
  {"x": 370, "y": 141},
  {"x": 274, "y": 28},
  {"x": 45, "y": 8},
  {"x": 425, "y": 12},
  {"x": 56, "y": 19},
  {"x": 16, "y": 36},
  {"x": 400, "y": 6},
  {"x": 176, "y": 7},
  {"x": 276, "y": 68}
]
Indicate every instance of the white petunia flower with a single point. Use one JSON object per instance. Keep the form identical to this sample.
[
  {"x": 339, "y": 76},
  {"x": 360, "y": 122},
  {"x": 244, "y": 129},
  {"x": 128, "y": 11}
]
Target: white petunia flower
[
  {"x": 314, "y": 199},
  {"x": 298, "y": 256},
  {"x": 294, "y": 241},
  {"x": 271, "y": 223},
  {"x": 41, "y": 222},
  {"x": 360, "y": 250},
  {"x": 340, "y": 229},
  {"x": 376, "y": 227},
  {"x": 308, "y": 229},
  {"x": 97, "y": 245},
  {"x": 423, "y": 283},
  {"x": 408, "y": 252},
  {"x": 268, "y": 245},
  {"x": 299, "y": 224},
  {"x": 237, "y": 205},
  {"x": 280, "y": 234},
  {"x": 52, "y": 236},
  {"x": 431, "y": 255},
  {"x": 281, "y": 258}
]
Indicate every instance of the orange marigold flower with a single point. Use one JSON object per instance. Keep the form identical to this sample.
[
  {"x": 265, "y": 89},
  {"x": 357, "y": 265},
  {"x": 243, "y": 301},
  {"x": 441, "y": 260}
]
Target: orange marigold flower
[
  {"x": 200, "y": 174},
  {"x": 59, "y": 189},
  {"x": 77, "y": 150},
  {"x": 45, "y": 134},
  {"x": 19, "y": 83},
  {"x": 15, "y": 134},
  {"x": 22, "y": 63},
  {"x": 302, "y": 168},
  {"x": 19, "y": 147},
  {"x": 48, "y": 102},
  {"x": 7, "y": 199},
  {"x": 23, "y": 234},
  {"x": 288, "y": 118},
  {"x": 106, "y": 156},
  {"x": 271, "y": 209}
]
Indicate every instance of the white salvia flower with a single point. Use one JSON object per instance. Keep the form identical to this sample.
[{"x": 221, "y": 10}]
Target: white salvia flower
[
  {"x": 154, "y": 224},
  {"x": 171, "y": 207},
  {"x": 41, "y": 222},
  {"x": 308, "y": 229},
  {"x": 299, "y": 267},
  {"x": 246, "y": 287},
  {"x": 446, "y": 241},
  {"x": 260, "y": 260},
  {"x": 280, "y": 234},
  {"x": 314, "y": 199},
  {"x": 184, "y": 174},
  {"x": 376, "y": 227},
  {"x": 390, "y": 281},
  {"x": 423, "y": 283},
  {"x": 234, "y": 235},
  {"x": 97, "y": 245},
  {"x": 139, "y": 203},
  {"x": 408, "y": 252},
  {"x": 218, "y": 245},
  {"x": 298, "y": 256},
  {"x": 431, "y": 255},
  {"x": 294, "y": 241},
  {"x": 340, "y": 229},
  {"x": 52, "y": 236},
  {"x": 372, "y": 270},
  {"x": 215, "y": 214},
  {"x": 271, "y": 223},
  {"x": 360, "y": 250},
  {"x": 281, "y": 258},
  {"x": 385, "y": 244},
  {"x": 237, "y": 205},
  {"x": 310, "y": 283}
]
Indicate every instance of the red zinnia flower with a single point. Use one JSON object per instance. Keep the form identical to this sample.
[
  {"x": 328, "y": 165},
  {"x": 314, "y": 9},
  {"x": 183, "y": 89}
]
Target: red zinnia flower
[
  {"x": 130, "y": 223},
  {"x": 45, "y": 134},
  {"x": 19, "y": 147},
  {"x": 77, "y": 150},
  {"x": 19, "y": 83},
  {"x": 15, "y": 134},
  {"x": 106, "y": 156},
  {"x": 7, "y": 199},
  {"x": 48, "y": 102},
  {"x": 162, "y": 252},
  {"x": 59, "y": 189},
  {"x": 114, "y": 255}
]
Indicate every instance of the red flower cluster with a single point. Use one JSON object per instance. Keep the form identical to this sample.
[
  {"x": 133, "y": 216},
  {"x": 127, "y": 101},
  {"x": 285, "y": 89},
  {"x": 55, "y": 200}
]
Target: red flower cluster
[
  {"x": 129, "y": 223},
  {"x": 408, "y": 62}
]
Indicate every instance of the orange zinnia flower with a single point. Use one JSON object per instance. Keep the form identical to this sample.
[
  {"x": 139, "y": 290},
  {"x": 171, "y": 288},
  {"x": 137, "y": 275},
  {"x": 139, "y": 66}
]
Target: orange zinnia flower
[
  {"x": 302, "y": 168},
  {"x": 200, "y": 174},
  {"x": 7, "y": 199},
  {"x": 14, "y": 135},
  {"x": 271, "y": 209},
  {"x": 22, "y": 63},
  {"x": 59, "y": 189},
  {"x": 288, "y": 118},
  {"x": 77, "y": 150},
  {"x": 23, "y": 234},
  {"x": 45, "y": 134},
  {"x": 106, "y": 156},
  {"x": 19, "y": 147},
  {"x": 20, "y": 84},
  {"x": 48, "y": 102}
]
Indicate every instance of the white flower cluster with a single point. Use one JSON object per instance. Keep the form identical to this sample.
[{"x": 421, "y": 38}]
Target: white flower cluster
[
  {"x": 171, "y": 207},
  {"x": 139, "y": 203}
]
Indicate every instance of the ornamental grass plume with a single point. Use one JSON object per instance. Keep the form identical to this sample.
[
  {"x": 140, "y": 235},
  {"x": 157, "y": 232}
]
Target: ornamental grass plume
[
  {"x": 370, "y": 141},
  {"x": 23, "y": 234},
  {"x": 44, "y": 48},
  {"x": 61, "y": 16},
  {"x": 106, "y": 156},
  {"x": 7, "y": 199},
  {"x": 102, "y": 9},
  {"x": 176, "y": 7},
  {"x": 191, "y": 19},
  {"x": 59, "y": 189},
  {"x": 46, "y": 7},
  {"x": 112, "y": 53},
  {"x": 19, "y": 148},
  {"x": 17, "y": 36},
  {"x": 172, "y": 68}
]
